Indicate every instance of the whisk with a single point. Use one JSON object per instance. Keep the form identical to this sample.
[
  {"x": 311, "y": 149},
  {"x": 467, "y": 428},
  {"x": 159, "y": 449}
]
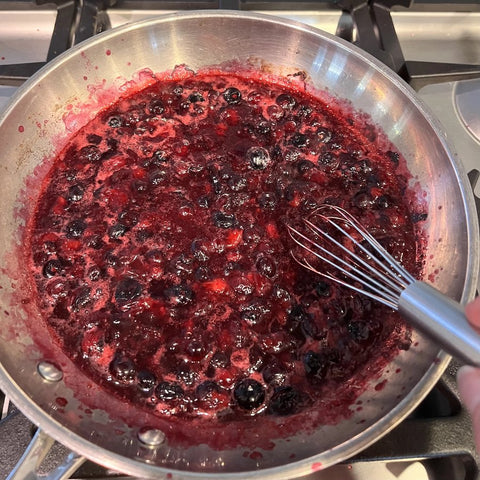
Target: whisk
[{"x": 354, "y": 258}]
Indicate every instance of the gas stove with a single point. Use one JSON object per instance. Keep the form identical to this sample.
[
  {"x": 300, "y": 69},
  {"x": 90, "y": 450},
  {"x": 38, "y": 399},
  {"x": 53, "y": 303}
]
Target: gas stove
[{"x": 434, "y": 46}]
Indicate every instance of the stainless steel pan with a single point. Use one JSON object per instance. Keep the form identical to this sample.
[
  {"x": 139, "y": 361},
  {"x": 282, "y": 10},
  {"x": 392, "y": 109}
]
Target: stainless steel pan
[{"x": 39, "y": 119}]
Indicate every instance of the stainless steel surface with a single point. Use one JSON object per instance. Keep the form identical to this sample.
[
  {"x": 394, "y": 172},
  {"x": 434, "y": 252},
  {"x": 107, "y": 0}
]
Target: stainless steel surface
[
  {"x": 442, "y": 320},
  {"x": 331, "y": 64},
  {"x": 467, "y": 103}
]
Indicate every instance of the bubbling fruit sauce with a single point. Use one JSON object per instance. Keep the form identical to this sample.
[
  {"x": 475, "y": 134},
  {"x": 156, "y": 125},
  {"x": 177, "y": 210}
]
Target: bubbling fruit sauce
[{"x": 161, "y": 256}]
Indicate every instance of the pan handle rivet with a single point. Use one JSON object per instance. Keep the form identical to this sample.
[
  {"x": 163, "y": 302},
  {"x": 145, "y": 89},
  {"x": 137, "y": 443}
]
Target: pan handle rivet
[
  {"x": 151, "y": 436},
  {"x": 50, "y": 372}
]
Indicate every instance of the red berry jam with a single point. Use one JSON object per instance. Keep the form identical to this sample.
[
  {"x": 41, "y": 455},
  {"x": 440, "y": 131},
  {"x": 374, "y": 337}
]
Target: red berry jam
[{"x": 162, "y": 260}]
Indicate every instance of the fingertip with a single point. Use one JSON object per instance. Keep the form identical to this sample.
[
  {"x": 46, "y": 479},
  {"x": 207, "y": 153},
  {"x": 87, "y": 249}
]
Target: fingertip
[{"x": 468, "y": 379}]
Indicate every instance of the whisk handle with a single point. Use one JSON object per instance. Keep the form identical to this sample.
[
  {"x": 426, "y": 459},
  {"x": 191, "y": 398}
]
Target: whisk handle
[{"x": 442, "y": 319}]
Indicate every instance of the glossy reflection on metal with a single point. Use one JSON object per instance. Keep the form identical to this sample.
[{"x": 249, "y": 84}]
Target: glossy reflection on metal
[
  {"x": 467, "y": 103},
  {"x": 200, "y": 39}
]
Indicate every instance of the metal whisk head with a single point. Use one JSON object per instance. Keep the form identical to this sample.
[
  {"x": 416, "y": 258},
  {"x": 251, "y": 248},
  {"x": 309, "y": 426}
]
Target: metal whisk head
[{"x": 364, "y": 265}]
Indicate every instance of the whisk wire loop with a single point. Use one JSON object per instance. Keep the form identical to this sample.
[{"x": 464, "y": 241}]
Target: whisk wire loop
[{"x": 380, "y": 276}]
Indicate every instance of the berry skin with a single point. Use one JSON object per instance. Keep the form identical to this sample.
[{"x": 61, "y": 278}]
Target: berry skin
[
  {"x": 122, "y": 369},
  {"x": 75, "y": 228},
  {"x": 127, "y": 289},
  {"x": 223, "y": 220},
  {"x": 167, "y": 391},
  {"x": 285, "y": 401},
  {"x": 52, "y": 268},
  {"x": 146, "y": 381},
  {"x": 249, "y": 394},
  {"x": 258, "y": 157}
]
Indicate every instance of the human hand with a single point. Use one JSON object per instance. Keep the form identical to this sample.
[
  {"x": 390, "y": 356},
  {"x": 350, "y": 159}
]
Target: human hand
[{"x": 468, "y": 377}]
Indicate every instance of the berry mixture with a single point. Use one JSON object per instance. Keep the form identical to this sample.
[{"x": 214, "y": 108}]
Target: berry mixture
[{"x": 162, "y": 260}]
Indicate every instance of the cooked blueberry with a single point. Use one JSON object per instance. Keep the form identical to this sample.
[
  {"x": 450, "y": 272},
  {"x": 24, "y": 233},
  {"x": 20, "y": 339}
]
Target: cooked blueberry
[
  {"x": 196, "y": 97},
  {"x": 287, "y": 102},
  {"x": 224, "y": 220},
  {"x": 393, "y": 156},
  {"x": 358, "y": 330},
  {"x": 115, "y": 122},
  {"x": 146, "y": 381},
  {"x": 129, "y": 218},
  {"x": 315, "y": 364},
  {"x": 285, "y": 401},
  {"x": 232, "y": 95},
  {"x": 89, "y": 153},
  {"x": 324, "y": 135},
  {"x": 220, "y": 360},
  {"x": 295, "y": 318},
  {"x": 384, "y": 201},
  {"x": 322, "y": 289},
  {"x": 263, "y": 127},
  {"x": 167, "y": 391},
  {"x": 237, "y": 183},
  {"x": 203, "y": 202},
  {"x": 304, "y": 166},
  {"x": 75, "y": 193},
  {"x": 268, "y": 201},
  {"x": 304, "y": 111},
  {"x": 156, "y": 107},
  {"x": 365, "y": 165},
  {"x": 249, "y": 394},
  {"x": 196, "y": 348},
  {"x": 299, "y": 140},
  {"x": 186, "y": 375},
  {"x": 254, "y": 313},
  {"x": 116, "y": 231},
  {"x": 202, "y": 274},
  {"x": 82, "y": 299},
  {"x": 75, "y": 228},
  {"x": 206, "y": 388},
  {"x": 256, "y": 357},
  {"x": 53, "y": 267},
  {"x": 418, "y": 217},
  {"x": 177, "y": 90},
  {"x": 363, "y": 200},
  {"x": 274, "y": 373},
  {"x": 95, "y": 273},
  {"x": 127, "y": 289},
  {"x": 96, "y": 242},
  {"x": 328, "y": 160},
  {"x": 157, "y": 176},
  {"x": 179, "y": 294},
  {"x": 122, "y": 369},
  {"x": 258, "y": 157},
  {"x": 266, "y": 266}
]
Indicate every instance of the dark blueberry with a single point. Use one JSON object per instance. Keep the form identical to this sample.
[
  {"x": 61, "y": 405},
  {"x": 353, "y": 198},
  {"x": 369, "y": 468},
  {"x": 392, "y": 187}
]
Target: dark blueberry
[
  {"x": 223, "y": 220},
  {"x": 304, "y": 166},
  {"x": 384, "y": 201},
  {"x": 94, "y": 139},
  {"x": 203, "y": 202},
  {"x": 256, "y": 357},
  {"x": 237, "y": 183},
  {"x": 418, "y": 217},
  {"x": 358, "y": 330},
  {"x": 53, "y": 267},
  {"x": 167, "y": 391},
  {"x": 95, "y": 273},
  {"x": 129, "y": 218},
  {"x": 299, "y": 140},
  {"x": 143, "y": 234},
  {"x": 206, "y": 388},
  {"x": 82, "y": 299},
  {"x": 393, "y": 156},
  {"x": 322, "y": 289},
  {"x": 127, "y": 289},
  {"x": 116, "y": 231},
  {"x": 157, "y": 176},
  {"x": 179, "y": 294},
  {"x": 75, "y": 193},
  {"x": 177, "y": 90},
  {"x": 263, "y": 127},
  {"x": 156, "y": 107},
  {"x": 258, "y": 157},
  {"x": 287, "y": 102},
  {"x": 324, "y": 135},
  {"x": 122, "y": 369},
  {"x": 328, "y": 160},
  {"x": 115, "y": 122},
  {"x": 266, "y": 266},
  {"x": 196, "y": 97},
  {"x": 295, "y": 318},
  {"x": 274, "y": 373},
  {"x": 249, "y": 394},
  {"x": 304, "y": 111},
  {"x": 96, "y": 242},
  {"x": 232, "y": 95},
  {"x": 186, "y": 375},
  {"x": 159, "y": 157},
  {"x": 268, "y": 201},
  {"x": 196, "y": 348},
  {"x": 315, "y": 365},
  {"x": 89, "y": 153},
  {"x": 363, "y": 200},
  {"x": 280, "y": 293},
  {"x": 365, "y": 165},
  {"x": 220, "y": 360},
  {"x": 254, "y": 313},
  {"x": 202, "y": 274},
  {"x": 146, "y": 381},
  {"x": 285, "y": 401},
  {"x": 75, "y": 228}
]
